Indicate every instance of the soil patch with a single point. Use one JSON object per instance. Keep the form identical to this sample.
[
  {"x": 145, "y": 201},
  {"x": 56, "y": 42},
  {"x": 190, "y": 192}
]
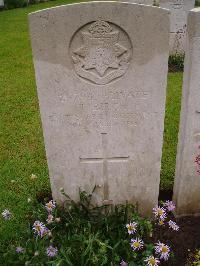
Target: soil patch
[{"x": 182, "y": 242}]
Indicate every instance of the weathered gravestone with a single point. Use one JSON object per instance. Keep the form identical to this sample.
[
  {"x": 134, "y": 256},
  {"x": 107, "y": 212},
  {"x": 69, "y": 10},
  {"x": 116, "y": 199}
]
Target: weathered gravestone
[
  {"x": 144, "y": 2},
  {"x": 187, "y": 182},
  {"x": 179, "y": 11},
  {"x": 101, "y": 70}
]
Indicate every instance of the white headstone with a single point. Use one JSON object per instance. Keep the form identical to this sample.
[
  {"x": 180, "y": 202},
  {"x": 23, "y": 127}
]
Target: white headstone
[
  {"x": 101, "y": 71},
  {"x": 179, "y": 11},
  {"x": 187, "y": 182},
  {"x": 1, "y": 3}
]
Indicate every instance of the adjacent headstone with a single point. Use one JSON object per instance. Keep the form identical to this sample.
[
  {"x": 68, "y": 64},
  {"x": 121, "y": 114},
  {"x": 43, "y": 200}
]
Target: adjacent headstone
[
  {"x": 1, "y": 4},
  {"x": 187, "y": 182},
  {"x": 101, "y": 71},
  {"x": 179, "y": 11},
  {"x": 144, "y": 2}
]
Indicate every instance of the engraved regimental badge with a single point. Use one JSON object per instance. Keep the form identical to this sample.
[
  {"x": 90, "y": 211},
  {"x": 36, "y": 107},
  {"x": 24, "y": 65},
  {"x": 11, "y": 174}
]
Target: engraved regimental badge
[{"x": 101, "y": 52}]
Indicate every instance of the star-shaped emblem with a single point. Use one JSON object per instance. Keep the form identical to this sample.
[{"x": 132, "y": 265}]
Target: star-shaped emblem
[{"x": 101, "y": 50}]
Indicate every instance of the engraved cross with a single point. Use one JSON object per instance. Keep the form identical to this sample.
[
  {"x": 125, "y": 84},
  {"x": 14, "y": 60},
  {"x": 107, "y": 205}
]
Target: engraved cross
[{"x": 104, "y": 160}]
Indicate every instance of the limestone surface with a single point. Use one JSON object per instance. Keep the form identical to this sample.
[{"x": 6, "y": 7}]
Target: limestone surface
[
  {"x": 187, "y": 182},
  {"x": 101, "y": 71}
]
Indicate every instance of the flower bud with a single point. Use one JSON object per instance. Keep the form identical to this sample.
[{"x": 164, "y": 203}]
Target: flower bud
[{"x": 36, "y": 253}]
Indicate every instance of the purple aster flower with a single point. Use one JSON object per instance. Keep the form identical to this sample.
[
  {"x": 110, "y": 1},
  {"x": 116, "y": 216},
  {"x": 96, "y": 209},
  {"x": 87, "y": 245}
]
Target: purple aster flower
[
  {"x": 131, "y": 227},
  {"x": 170, "y": 205},
  {"x": 19, "y": 249},
  {"x": 159, "y": 213},
  {"x": 40, "y": 229},
  {"x": 50, "y": 206},
  {"x": 162, "y": 250},
  {"x": 51, "y": 251},
  {"x": 173, "y": 225},
  {"x": 123, "y": 263},
  {"x": 6, "y": 214},
  {"x": 152, "y": 261},
  {"x": 136, "y": 244}
]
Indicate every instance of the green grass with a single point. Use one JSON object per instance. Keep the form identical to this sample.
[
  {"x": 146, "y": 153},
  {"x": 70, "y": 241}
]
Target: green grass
[
  {"x": 21, "y": 141},
  {"x": 173, "y": 105},
  {"x": 197, "y": 4}
]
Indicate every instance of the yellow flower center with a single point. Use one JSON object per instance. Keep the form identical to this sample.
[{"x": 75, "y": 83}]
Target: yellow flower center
[
  {"x": 152, "y": 261},
  {"x": 136, "y": 244},
  {"x": 130, "y": 227},
  {"x": 160, "y": 212},
  {"x": 37, "y": 228},
  {"x": 164, "y": 249}
]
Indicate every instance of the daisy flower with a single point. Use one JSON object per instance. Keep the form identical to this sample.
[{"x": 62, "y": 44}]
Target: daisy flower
[
  {"x": 6, "y": 214},
  {"x": 132, "y": 227},
  {"x": 173, "y": 225},
  {"x": 152, "y": 261},
  {"x": 19, "y": 249},
  {"x": 162, "y": 250},
  {"x": 51, "y": 251},
  {"x": 160, "y": 213},
  {"x": 40, "y": 229},
  {"x": 170, "y": 205},
  {"x": 50, "y": 205},
  {"x": 136, "y": 244}
]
